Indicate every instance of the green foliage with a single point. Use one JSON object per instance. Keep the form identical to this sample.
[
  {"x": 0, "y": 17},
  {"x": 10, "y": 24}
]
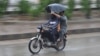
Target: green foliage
[
  {"x": 3, "y": 6},
  {"x": 98, "y": 4},
  {"x": 68, "y": 13},
  {"x": 24, "y": 6},
  {"x": 35, "y": 12},
  {"x": 56, "y": 1},
  {"x": 86, "y": 7},
  {"x": 71, "y": 5},
  {"x": 43, "y": 3}
]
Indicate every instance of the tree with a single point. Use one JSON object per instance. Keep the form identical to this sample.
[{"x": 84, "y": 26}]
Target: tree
[
  {"x": 86, "y": 8},
  {"x": 43, "y": 3},
  {"x": 98, "y": 4},
  {"x": 3, "y": 6},
  {"x": 24, "y": 6},
  {"x": 71, "y": 5},
  {"x": 40, "y": 8},
  {"x": 56, "y": 1}
]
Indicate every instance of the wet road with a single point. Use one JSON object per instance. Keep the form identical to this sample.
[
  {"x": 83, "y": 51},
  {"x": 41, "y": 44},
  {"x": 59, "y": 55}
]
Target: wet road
[{"x": 85, "y": 46}]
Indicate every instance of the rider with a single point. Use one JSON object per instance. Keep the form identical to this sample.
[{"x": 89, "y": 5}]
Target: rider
[
  {"x": 63, "y": 21},
  {"x": 54, "y": 24},
  {"x": 62, "y": 26}
]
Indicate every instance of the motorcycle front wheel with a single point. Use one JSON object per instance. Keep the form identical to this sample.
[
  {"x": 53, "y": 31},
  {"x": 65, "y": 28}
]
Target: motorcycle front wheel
[{"x": 35, "y": 46}]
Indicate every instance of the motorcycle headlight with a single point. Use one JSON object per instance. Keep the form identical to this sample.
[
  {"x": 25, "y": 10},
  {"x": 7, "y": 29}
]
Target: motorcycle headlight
[{"x": 38, "y": 30}]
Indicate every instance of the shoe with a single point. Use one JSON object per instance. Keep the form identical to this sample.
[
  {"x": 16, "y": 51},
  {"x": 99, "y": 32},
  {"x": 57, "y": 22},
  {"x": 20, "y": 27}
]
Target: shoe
[{"x": 58, "y": 40}]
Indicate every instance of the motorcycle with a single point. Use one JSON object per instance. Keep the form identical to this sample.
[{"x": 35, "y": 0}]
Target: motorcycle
[{"x": 38, "y": 42}]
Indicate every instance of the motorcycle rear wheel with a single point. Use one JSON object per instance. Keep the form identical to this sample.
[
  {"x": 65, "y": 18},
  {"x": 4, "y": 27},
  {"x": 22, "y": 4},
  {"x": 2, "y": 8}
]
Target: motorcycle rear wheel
[{"x": 60, "y": 45}]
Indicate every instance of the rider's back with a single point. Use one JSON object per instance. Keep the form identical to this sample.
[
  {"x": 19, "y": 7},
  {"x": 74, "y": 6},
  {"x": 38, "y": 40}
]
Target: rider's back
[{"x": 53, "y": 22}]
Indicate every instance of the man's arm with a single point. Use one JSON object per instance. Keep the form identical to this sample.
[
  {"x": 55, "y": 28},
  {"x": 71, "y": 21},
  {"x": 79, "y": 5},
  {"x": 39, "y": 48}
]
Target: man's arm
[
  {"x": 58, "y": 27},
  {"x": 57, "y": 15}
]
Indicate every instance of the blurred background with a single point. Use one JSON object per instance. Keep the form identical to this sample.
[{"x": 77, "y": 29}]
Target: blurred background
[
  {"x": 19, "y": 19},
  {"x": 35, "y": 8}
]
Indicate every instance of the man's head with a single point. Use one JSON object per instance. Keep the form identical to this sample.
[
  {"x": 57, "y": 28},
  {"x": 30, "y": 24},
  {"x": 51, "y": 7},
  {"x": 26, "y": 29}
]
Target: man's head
[
  {"x": 61, "y": 13},
  {"x": 48, "y": 10}
]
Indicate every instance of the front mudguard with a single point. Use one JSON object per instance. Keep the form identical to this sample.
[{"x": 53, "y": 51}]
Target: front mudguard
[{"x": 33, "y": 38}]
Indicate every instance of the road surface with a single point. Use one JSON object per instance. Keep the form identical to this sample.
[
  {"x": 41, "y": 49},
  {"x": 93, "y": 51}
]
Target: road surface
[{"x": 80, "y": 45}]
